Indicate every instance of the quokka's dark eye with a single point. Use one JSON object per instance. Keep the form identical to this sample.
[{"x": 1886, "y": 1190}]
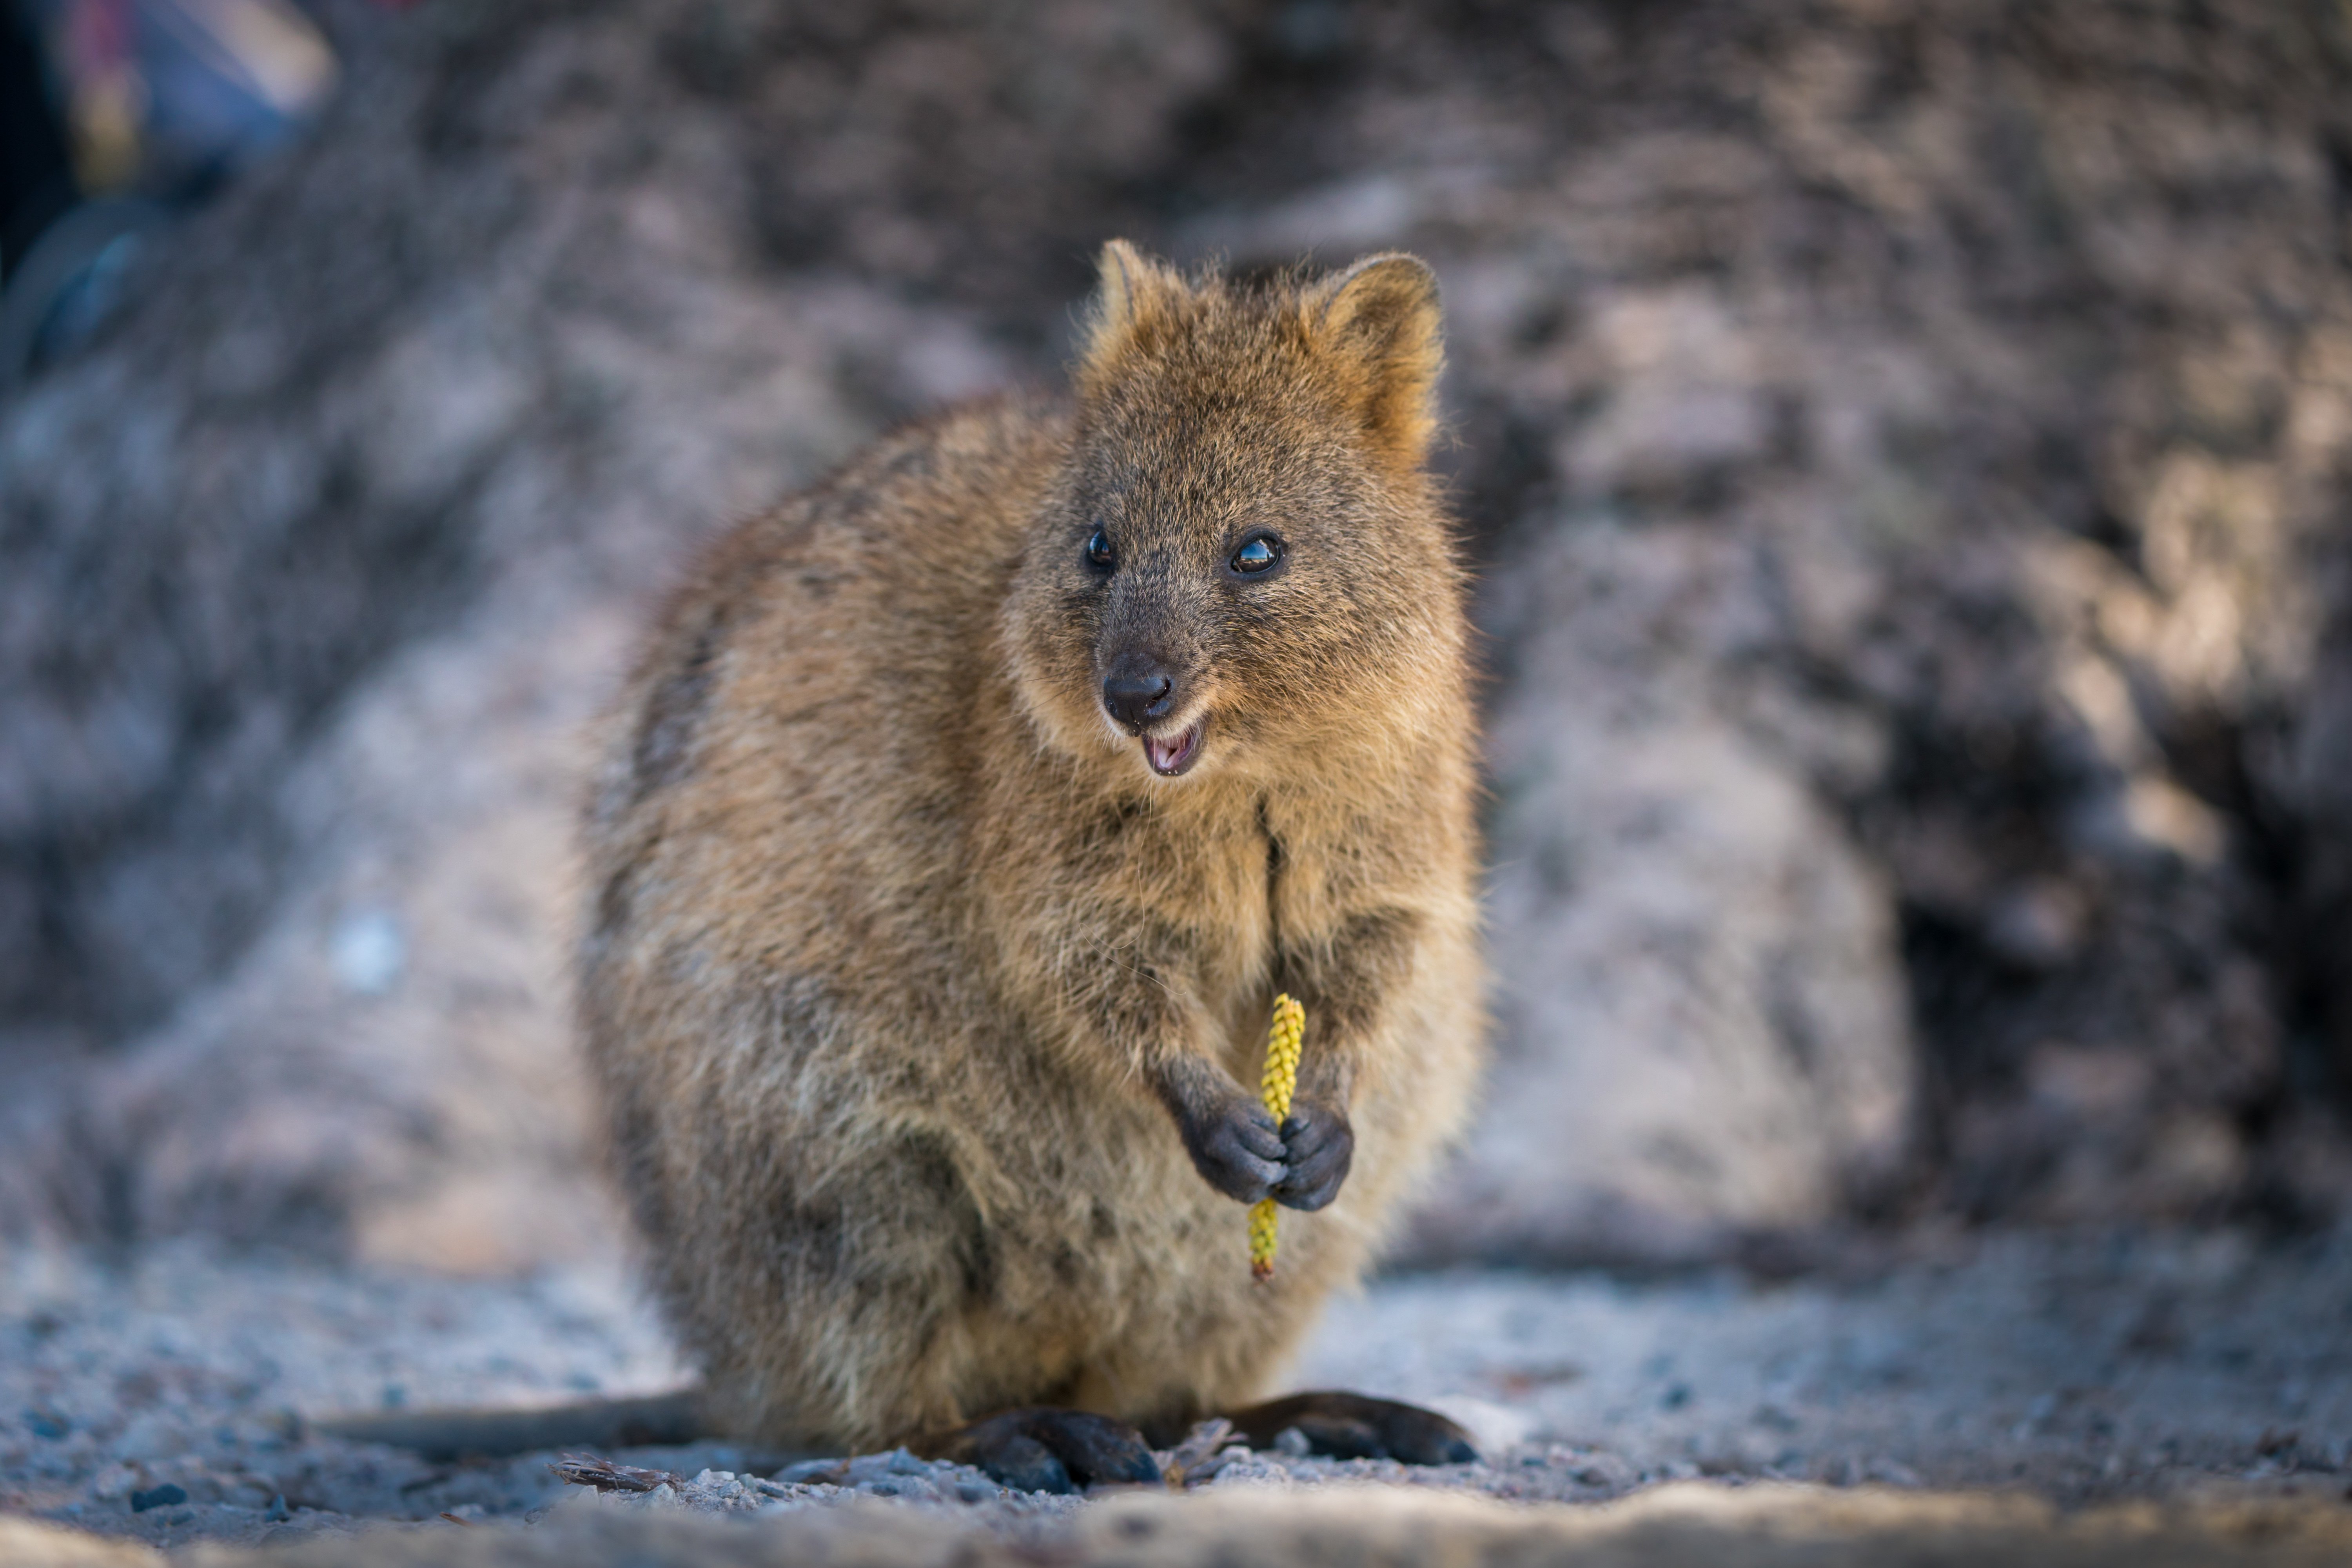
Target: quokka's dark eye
[
  {"x": 1098, "y": 550},
  {"x": 1258, "y": 554}
]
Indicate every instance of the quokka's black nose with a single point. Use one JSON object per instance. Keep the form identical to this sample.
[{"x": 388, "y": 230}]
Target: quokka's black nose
[{"x": 1141, "y": 699}]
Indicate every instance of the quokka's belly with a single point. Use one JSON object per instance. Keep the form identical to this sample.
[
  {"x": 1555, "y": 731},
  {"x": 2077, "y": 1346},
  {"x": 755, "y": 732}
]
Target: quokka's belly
[{"x": 1136, "y": 1297}]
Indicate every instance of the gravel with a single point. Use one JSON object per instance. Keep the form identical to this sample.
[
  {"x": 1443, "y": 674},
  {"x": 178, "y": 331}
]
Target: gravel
[{"x": 170, "y": 1395}]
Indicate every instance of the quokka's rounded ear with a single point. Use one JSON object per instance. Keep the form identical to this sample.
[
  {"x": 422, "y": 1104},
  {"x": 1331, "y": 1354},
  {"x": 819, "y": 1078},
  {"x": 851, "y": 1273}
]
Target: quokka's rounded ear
[
  {"x": 1133, "y": 297},
  {"x": 1378, "y": 323}
]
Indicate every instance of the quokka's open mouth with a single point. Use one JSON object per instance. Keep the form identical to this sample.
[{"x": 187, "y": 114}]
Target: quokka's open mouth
[{"x": 1172, "y": 756}]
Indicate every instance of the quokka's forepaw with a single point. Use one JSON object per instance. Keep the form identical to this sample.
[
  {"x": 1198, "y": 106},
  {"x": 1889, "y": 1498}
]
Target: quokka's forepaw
[
  {"x": 1237, "y": 1147},
  {"x": 1318, "y": 1147}
]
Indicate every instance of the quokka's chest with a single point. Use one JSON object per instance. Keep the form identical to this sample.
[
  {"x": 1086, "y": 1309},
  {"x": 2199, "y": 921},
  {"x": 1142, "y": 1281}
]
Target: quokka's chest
[{"x": 1218, "y": 878}]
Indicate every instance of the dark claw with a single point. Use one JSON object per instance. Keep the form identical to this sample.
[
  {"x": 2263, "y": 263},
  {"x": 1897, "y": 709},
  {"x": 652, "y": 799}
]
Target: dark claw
[
  {"x": 1049, "y": 1450},
  {"x": 1353, "y": 1426}
]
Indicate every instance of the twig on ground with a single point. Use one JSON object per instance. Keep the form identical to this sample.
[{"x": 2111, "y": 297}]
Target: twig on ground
[
  {"x": 606, "y": 1476},
  {"x": 1190, "y": 1458}
]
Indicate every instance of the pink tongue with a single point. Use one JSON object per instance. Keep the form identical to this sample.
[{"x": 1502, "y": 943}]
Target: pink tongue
[{"x": 1165, "y": 753}]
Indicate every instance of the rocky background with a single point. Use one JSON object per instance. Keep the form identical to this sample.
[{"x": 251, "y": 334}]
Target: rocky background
[{"x": 1907, "y": 448}]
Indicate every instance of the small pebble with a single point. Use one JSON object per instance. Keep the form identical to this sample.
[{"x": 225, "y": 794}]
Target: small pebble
[{"x": 165, "y": 1496}]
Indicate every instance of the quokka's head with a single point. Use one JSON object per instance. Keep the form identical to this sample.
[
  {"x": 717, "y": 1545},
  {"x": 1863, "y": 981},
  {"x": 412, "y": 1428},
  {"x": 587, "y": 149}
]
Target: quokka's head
[{"x": 1242, "y": 555}]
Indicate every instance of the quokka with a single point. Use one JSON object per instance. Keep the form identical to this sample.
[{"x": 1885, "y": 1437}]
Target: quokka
[{"x": 958, "y": 824}]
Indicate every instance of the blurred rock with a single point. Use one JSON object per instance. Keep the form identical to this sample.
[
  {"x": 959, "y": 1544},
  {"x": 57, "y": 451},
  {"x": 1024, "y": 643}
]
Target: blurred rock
[
  {"x": 1909, "y": 452},
  {"x": 1701, "y": 1010}
]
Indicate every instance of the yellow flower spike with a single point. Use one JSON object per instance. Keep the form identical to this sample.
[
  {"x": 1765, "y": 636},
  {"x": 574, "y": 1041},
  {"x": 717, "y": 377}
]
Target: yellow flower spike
[{"x": 1281, "y": 1079}]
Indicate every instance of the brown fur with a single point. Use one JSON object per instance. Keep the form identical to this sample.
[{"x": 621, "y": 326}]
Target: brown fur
[{"x": 900, "y": 955}]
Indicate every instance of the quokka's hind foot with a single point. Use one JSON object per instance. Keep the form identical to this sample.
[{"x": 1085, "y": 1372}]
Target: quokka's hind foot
[
  {"x": 1043, "y": 1449},
  {"x": 1354, "y": 1427}
]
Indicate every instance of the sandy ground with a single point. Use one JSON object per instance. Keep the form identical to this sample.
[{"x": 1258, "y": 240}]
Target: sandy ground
[{"x": 169, "y": 1396}]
